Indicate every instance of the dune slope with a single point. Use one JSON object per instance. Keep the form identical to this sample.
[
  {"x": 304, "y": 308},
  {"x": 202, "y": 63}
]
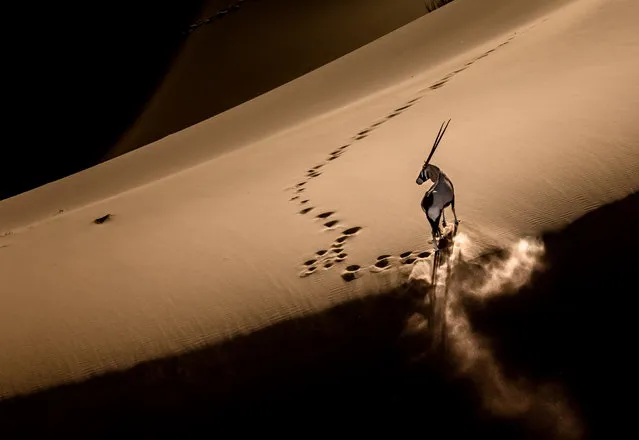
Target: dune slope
[{"x": 543, "y": 106}]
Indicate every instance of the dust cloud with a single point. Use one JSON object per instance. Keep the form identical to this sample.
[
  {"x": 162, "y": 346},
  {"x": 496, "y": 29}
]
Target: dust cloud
[{"x": 543, "y": 406}]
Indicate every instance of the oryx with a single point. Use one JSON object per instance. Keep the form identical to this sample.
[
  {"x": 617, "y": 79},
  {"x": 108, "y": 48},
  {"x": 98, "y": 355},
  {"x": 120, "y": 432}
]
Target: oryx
[{"x": 440, "y": 195}]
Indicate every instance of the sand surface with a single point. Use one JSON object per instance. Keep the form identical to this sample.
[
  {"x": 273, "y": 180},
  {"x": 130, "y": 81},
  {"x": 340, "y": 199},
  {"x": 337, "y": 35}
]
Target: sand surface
[{"x": 207, "y": 236}]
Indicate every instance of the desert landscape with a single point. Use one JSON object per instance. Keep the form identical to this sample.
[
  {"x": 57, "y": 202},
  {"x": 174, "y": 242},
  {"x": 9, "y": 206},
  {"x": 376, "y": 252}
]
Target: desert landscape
[{"x": 271, "y": 263}]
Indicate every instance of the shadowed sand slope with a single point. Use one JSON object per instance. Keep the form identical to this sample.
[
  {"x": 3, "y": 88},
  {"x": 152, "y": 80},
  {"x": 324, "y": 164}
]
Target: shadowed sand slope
[
  {"x": 354, "y": 366},
  {"x": 256, "y": 47},
  {"x": 280, "y": 226}
]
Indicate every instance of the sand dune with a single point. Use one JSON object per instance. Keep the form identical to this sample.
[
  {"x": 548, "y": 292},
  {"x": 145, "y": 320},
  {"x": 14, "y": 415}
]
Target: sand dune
[
  {"x": 211, "y": 227},
  {"x": 367, "y": 364}
]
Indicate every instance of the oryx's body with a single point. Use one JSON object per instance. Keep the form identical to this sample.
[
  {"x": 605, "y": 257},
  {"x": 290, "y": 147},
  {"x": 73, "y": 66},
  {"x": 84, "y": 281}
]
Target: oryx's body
[{"x": 439, "y": 196}]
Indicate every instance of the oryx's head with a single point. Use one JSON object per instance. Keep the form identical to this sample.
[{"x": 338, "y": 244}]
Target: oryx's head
[{"x": 429, "y": 171}]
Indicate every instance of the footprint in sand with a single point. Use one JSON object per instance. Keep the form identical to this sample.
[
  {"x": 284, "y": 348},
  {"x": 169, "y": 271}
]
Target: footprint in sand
[
  {"x": 403, "y": 108},
  {"x": 104, "y": 218},
  {"x": 438, "y": 84},
  {"x": 328, "y": 258},
  {"x": 341, "y": 239},
  {"x": 387, "y": 262},
  {"x": 324, "y": 258},
  {"x": 351, "y": 273},
  {"x": 325, "y": 214},
  {"x": 352, "y": 231},
  {"x": 381, "y": 264},
  {"x": 362, "y": 134},
  {"x": 331, "y": 224},
  {"x": 341, "y": 257},
  {"x": 306, "y": 210},
  {"x": 311, "y": 270}
]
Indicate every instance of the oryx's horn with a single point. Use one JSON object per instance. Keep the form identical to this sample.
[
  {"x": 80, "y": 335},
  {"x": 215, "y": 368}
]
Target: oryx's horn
[{"x": 439, "y": 137}]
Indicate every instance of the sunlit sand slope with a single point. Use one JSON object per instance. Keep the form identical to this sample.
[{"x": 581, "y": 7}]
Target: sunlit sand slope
[{"x": 543, "y": 129}]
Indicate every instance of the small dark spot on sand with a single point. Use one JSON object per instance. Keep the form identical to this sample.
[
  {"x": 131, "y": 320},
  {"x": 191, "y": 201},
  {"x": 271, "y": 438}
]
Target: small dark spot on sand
[
  {"x": 382, "y": 257},
  {"x": 382, "y": 263},
  {"x": 405, "y": 254},
  {"x": 321, "y": 252},
  {"x": 325, "y": 214},
  {"x": 437, "y": 85},
  {"x": 306, "y": 210},
  {"x": 401, "y": 109},
  {"x": 409, "y": 261},
  {"x": 353, "y": 268},
  {"x": 348, "y": 276},
  {"x": 100, "y": 220},
  {"x": 351, "y": 231},
  {"x": 330, "y": 224},
  {"x": 309, "y": 262},
  {"x": 341, "y": 239},
  {"x": 424, "y": 254}
]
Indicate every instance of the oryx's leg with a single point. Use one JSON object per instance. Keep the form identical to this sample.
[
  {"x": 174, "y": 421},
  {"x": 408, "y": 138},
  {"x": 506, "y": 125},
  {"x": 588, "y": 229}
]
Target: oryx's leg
[
  {"x": 434, "y": 214},
  {"x": 452, "y": 206},
  {"x": 444, "y": 217}
]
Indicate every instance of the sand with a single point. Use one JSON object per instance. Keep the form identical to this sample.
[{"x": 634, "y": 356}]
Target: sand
[{"x": 207, "y": 239}]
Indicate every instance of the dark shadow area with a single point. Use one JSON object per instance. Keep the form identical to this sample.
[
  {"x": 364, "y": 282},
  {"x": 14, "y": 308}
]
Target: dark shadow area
[
  {"x": 348, "y": 368},
  {"x": 79, "y": 76},
  {"x": 353, "y": 368},
  {"x": 574, "y": 323}
]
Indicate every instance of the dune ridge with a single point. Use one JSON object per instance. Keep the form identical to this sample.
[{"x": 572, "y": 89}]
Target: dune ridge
[{"x": 305, "y": 99}]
